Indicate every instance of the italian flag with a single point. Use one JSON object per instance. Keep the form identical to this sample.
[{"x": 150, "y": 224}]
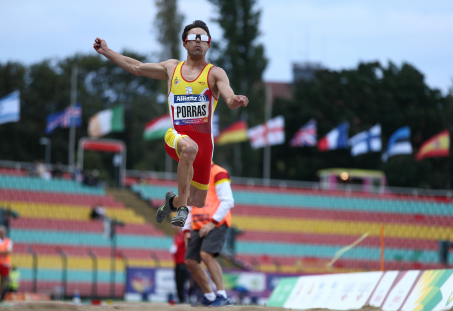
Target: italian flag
[
  {"x": 106, "y": 121},
  {"x": 157, "y": 128}
]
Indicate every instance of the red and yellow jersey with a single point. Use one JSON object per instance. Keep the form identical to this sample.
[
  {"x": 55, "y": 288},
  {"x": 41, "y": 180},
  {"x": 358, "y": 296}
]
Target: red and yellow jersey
[
  {"x": 191, "y": 103},
  {"x": 202, "y": 216}
]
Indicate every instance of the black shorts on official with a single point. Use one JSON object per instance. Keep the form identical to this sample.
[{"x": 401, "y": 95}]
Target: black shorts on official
[{"x": 212, "y": 243}]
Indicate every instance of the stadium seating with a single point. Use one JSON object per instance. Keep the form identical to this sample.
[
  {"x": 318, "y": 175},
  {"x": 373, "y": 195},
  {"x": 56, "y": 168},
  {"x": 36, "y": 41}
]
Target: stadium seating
[
  {"x": 55, "y": 220},
  {"x": 292, "y": 230}
]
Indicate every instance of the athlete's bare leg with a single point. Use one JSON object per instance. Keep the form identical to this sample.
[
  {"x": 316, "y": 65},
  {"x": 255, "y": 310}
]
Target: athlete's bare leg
[
  {"x": 187, "y": 193},
  {"x": 199, "y": 275},
  {"x": 214, "y": 269},
  {"x": 187, "y": 150},
  {"x": 197, "y": 197}
]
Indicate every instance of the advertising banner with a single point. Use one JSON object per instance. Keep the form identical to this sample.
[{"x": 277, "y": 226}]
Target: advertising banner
[
  {"x": 156, "y": 284},
  {"x": 413, "y": 290}
]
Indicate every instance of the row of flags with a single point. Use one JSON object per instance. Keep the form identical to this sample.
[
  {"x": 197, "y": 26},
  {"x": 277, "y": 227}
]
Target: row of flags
[
  {"x": 370, "y": 141},
  {"x": 102, "y": 123},
  {"x": 269, "y": 133},
  {"x": 272, "y": 132}
]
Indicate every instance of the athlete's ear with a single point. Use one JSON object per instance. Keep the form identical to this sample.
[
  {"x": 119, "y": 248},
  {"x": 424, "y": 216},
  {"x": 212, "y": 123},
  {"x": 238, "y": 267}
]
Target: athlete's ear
[{"x": 184, "y": 44}]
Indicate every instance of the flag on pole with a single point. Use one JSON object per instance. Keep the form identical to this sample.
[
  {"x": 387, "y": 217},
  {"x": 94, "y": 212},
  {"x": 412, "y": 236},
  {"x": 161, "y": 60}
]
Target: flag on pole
[
  {"x": 157, "y": 127},
  {"x": 63, "y": 118},
  {"x": 436, "y": 146},
  {"x": 305, "y": 136},
  {"x": 270, "y": 133},
  {"x": 335, "y": 139},
  {"x": 106, "y": 121},
  {"x": 366, "y": 141},
  {"x": 10, "y": 108},
  {"x": 399, "y": 143},
  {"x": 234, "y": 133}
]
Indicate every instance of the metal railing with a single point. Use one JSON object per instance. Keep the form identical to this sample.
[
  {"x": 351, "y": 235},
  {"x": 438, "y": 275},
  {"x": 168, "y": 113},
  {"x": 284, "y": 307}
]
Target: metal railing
[
  {"x": 305, "y": 185},
  {"x": 280, "y": 183}
]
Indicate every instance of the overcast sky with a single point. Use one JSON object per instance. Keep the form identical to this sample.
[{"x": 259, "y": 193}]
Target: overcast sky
[{"x": 337, "y": 33}]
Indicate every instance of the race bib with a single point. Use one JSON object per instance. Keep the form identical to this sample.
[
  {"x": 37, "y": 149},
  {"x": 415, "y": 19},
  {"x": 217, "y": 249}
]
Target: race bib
[{"x": 190, "y": 109}]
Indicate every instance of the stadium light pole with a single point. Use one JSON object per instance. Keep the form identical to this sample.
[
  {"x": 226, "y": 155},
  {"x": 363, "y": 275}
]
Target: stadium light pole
[{"x": 46, "y": 141}]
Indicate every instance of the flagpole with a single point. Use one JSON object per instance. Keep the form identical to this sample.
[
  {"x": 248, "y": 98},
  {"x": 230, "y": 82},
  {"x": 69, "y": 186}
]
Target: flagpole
[
  {"x": 71, "y": 118},
  {"x": 267, "y": 148}
]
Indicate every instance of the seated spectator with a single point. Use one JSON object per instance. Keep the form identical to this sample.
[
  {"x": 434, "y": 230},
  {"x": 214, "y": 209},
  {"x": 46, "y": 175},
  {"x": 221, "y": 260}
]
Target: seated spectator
[
  {"x": 95, "y": 178},
  {"x": 91, "y": 179},
  {"x": 77, "y": 174},
  {"x": 41, "y": 171},
  {"x": 33, "y": 169},
  {"x": 98, "y": 212},
  {"x": 57, "y": 172}
]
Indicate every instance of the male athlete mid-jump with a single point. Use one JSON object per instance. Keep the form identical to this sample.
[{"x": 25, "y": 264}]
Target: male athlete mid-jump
[{"x": 194, "y": 86}]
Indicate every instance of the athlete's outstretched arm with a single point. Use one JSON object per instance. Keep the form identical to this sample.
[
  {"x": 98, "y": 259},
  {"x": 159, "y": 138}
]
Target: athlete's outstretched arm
[
  {"x": 150, "y": 70},
  {"x": 223, "y": 85}
]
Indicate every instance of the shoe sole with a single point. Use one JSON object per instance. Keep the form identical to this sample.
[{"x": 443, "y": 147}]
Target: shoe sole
[
  {"x": 163, "y": 212},
  {"x": 180, "y": 220}
]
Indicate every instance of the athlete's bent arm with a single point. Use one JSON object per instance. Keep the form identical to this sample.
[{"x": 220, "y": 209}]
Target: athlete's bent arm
[
  {"x": 223, "y": 85},
  {"x": 150, "y": 70}
]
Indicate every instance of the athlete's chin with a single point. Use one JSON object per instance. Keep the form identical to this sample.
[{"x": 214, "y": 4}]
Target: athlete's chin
[{"x": 197, "y": 53}]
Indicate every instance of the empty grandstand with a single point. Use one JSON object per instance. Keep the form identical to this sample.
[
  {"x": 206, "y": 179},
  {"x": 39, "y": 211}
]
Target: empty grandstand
[{"x": 58, "y": 248}]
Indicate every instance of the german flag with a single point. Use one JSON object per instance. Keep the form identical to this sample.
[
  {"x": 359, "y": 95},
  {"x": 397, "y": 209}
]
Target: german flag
[
  {"x": 436, "y": 146},
  {"x": 235, "y": 133}
]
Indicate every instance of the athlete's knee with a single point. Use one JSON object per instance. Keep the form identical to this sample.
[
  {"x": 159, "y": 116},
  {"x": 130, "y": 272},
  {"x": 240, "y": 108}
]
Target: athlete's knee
[
  {"x": 206, "y": 257},
  {"x": 189, "y": 151},
  {"x": 190, "y": 263},
  {"x": 200, "y": 203}
]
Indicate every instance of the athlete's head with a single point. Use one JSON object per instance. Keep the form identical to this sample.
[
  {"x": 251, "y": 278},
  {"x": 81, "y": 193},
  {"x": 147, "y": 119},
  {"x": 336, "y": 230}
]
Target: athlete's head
[
  {"x": 195, "y": 24},
  {"x": 196, "y": 38}
]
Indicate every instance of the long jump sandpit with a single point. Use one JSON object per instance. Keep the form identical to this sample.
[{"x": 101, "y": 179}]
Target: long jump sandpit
[{"x": 57, "y": 306}]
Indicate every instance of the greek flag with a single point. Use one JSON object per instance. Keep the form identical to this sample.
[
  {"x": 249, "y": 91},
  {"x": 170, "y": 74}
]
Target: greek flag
[{"x": 10, "y": 108}]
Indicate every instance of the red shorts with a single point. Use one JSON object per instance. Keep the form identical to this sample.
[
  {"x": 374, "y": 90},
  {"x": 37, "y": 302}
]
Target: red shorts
[
  {"x": 202, "y": 163},
  {"x": 4, "y": 271}
]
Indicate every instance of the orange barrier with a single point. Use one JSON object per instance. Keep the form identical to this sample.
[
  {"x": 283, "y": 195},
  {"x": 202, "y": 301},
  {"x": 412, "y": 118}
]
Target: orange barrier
[{"x": 26, "y": 297}]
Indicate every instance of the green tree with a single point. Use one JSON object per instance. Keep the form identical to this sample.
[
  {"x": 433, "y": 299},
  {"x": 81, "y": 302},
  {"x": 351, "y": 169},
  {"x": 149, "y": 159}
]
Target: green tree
[
  {"x": 45, "y": 89},
  {"x": 392, "y": 96},
  {"x": 168, "y": 25},
  {"x": 244, "y": 61}
]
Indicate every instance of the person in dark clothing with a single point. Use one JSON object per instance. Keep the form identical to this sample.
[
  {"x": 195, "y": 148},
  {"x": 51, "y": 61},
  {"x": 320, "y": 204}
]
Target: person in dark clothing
[
  {"x": 178, "y": 250},
  {"x": 57, "y": 172}
]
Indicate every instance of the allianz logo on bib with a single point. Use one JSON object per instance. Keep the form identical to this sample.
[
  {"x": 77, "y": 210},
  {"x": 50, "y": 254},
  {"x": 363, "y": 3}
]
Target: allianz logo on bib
[{"x": 190, "y": 98}]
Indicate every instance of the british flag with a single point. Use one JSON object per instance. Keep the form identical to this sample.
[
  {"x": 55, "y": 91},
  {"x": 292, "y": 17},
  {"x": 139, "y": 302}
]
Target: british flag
[
  {"x": 305, "y": 136},
  {"x": 71, "y": 112},
  {"x": 63, "y": 118}
]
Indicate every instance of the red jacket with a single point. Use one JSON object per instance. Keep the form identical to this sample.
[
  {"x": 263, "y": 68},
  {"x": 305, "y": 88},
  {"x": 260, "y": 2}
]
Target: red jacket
[{"x": 180, "y": 253}]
